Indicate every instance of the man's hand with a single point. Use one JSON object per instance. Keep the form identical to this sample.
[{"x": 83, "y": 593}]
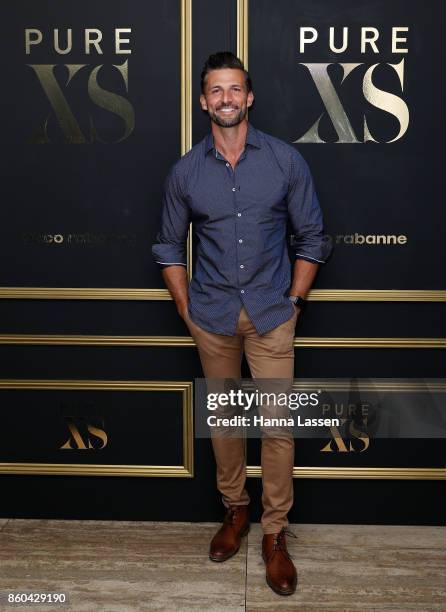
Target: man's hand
[{"x": 297, "y": 309}]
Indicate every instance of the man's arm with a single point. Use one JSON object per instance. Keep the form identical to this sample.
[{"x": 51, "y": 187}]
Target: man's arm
[
  {"x": 303, "y": 277},
  {"x": 306, "y": 218},
  {"x": 169, "y": 252},
  {"x": 177, "y": 283}
]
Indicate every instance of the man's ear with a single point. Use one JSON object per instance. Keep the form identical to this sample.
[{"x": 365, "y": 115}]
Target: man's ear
[
  {"x": 204, "y": 106},
  {"x": 250, "y": 99}
]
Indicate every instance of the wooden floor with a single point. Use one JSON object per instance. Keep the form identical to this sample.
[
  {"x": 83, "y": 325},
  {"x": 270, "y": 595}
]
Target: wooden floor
[{"x": 121, "y": 566}]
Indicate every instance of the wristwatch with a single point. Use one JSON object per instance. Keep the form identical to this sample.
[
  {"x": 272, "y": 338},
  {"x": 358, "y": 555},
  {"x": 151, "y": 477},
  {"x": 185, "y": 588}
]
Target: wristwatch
[{"x": 297, "y": 300}]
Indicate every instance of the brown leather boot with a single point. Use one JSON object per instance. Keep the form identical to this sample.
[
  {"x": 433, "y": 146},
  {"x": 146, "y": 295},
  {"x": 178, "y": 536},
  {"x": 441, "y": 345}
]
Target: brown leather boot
[
  {"x": 281, "y": 574},
  {"x": 228, "y": 538}
]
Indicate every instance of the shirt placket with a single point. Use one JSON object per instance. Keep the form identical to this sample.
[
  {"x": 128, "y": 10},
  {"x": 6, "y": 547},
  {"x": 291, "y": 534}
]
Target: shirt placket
[{"x": 240, "y": 222}]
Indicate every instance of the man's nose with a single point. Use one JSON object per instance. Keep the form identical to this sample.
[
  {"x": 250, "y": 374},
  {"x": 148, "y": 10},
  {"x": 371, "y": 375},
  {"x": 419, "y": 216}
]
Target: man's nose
[{"x": 227, "y": 97}]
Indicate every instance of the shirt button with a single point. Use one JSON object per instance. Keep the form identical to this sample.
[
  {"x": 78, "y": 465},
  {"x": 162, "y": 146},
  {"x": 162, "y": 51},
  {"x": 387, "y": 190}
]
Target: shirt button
[
  {"x": 233, "y": 189},
  {"x": 240, "y": 240},
  {"x": 227, "y": 165},
  {"x": 242, "y": 291},
  {"x": 239, "y": 214},
  {"x": 242, "y": 266}
]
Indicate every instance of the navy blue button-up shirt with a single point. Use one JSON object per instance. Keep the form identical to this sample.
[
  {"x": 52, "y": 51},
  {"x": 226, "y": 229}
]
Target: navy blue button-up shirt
[{"x": 239, "y": 222}]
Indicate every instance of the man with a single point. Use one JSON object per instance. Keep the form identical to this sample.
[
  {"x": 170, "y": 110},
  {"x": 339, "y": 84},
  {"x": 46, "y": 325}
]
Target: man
[{"x": 239, "y": 186}]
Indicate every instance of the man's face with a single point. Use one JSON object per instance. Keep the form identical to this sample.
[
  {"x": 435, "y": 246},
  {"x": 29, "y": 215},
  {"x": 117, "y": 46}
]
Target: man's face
[{"x": 226, "y": 99}]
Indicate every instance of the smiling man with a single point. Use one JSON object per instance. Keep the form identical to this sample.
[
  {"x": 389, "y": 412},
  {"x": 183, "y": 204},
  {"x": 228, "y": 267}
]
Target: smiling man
[{"x": 239, "y": 187}]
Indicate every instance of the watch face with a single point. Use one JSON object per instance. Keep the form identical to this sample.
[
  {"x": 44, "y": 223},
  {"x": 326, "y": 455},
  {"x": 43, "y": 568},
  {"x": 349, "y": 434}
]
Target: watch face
[{"x": 297, "y": 300}]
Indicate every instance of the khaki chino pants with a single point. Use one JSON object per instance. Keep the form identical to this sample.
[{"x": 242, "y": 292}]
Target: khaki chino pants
[{"x": 269, "y": 356}]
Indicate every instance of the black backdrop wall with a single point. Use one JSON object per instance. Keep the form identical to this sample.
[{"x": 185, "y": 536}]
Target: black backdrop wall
[{"x": 97, "y": 368}]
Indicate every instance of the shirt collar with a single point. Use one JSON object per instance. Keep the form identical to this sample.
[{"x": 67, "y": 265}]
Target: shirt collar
[{"x": 252, "y": 138}]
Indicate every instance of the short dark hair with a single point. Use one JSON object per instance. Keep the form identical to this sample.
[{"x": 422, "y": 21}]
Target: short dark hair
[{"x": 224, "y": 59}]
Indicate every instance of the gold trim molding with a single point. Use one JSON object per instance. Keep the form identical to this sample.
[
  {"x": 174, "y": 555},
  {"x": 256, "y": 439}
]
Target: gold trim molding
[
  {"x": 91, "y": 469},
  {"x": 242, "y": 31},
  {"x": 377, "y": 295},
  {"x": 376, "y": 343},
  {"x": 361, "y": 473},
  {"x": 187, "y": 341},
  {"x": 186, "y": 76},
  {"x": 315, "y": 295}
]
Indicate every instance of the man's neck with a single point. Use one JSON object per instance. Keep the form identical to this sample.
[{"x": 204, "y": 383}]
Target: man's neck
[{"x": 230, "y": 141}]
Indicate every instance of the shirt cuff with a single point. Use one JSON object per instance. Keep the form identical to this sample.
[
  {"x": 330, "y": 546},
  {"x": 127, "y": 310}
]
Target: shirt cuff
[
  {"x": 168, "y": 255},
  {"x": 308, "y": 258},
  {"x": 315, "y": 251},
  {"x": 166, "y": 264}
]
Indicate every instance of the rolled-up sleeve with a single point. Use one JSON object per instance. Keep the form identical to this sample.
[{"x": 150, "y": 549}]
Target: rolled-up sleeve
[
  {"x": 170, "y": 246},
  {"x": 305, "y": 214}
]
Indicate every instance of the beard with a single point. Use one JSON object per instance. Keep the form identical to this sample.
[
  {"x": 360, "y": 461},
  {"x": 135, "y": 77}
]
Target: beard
[{"x": 230, "y": 121}]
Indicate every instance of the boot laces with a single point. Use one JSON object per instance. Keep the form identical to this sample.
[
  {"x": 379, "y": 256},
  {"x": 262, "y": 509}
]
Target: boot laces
[{"x": 279, "y": 540}]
